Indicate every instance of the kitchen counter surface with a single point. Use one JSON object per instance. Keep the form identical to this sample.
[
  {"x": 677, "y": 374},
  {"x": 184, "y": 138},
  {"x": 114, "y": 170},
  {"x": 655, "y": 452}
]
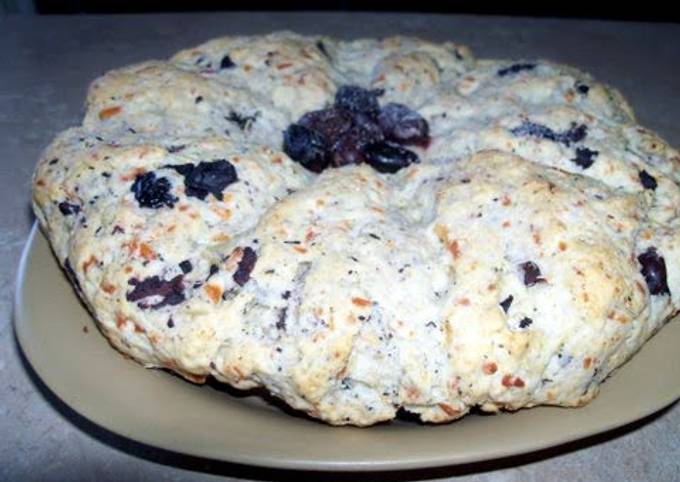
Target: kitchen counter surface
[{"x": 46, "y": 64}]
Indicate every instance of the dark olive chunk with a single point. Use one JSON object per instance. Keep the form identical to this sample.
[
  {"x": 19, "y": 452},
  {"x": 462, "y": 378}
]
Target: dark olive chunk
[
  {"x": 403, "y": 125},
  {"x": 584, "y": 157},
  {"x": 153, "y": 192},
  {"x": 245, "y": 266},
  {"x": 582, "y": 88},
  {"x": 322, "y": 48},
  {"x": 227, "y": 63},
  {"x": 358, "y": 99},
  {"x": 505, "y": 304},
  {"x": 532, "y": 273},
  {"x": 281, "y": 319},
  {"x": 516, "y": 68},
  {"x": 332, "y": 123},
  {"x": 186, "y": 266},
  {"x": 654, "y": 271},
  {"x": 207, "y": 177},
  {"x": 389, "y": 158},
  {"x": 170, "y": 291},
  {"x": 647, "y": 180},
  {"x": 351, "y": 148},
  {"x": 67, "y": 209},
  {"x": 306, "y": 146},
  {"x": 532, "y": 129},
  {"x": 354, "y": 130},
  {"x": 575, "y": 133}
]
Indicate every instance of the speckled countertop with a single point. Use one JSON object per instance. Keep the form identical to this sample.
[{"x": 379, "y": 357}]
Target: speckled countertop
[{"x": 46, "y": 64}]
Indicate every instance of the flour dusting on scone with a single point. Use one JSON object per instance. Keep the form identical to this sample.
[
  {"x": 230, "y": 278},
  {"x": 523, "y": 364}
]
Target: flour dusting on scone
[{"x": 367, "y": 226}]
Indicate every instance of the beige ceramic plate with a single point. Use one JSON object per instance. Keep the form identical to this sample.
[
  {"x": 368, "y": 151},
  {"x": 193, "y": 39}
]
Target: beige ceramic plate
[{"x": 161, "y": 410}]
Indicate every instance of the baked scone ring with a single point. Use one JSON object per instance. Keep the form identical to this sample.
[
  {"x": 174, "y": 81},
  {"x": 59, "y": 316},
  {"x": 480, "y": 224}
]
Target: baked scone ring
[{"x": 526, "y": 246}]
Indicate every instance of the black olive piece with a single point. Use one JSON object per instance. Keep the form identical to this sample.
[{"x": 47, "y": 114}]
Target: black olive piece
[
  {"x": 403, "y": 125},
  {"x": 186, "y": 266},
  {"x": 388, "y": 158},
  {"x": 358, "y": 99},
  {"x": 322, "y": 47},
  {"x": 654, "y": 272},
  {"x": 281, "y": 319},
  {"x": 647, "y": 180},
  {"x": 171, "y": 291},
  {"x": 515, "y": 68},
  {"x": 332, "y": 124},
  {"x": 525, "y": 322},
  {"x": 206, "y": 177},
  {"x": 350, "y": 149},
  {"x": 307, "y": 147},
  {"x": 153, "y": 192},
  {"x": 67, "y": 209},
  {"x": 584, "y": 157},
  {"x": 245, "y": 266},
  {"x": 532, "y": 274},
  {"x": 227, "y": 63},
  {"x": 575, "y": 133},
  {"x": 505, "y": 304},
  {"x": 582, "y": 88}
]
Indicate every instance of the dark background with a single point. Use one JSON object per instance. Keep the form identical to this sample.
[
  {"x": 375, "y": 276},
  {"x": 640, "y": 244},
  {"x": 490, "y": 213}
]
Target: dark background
[{"x": 620, "y": 10}]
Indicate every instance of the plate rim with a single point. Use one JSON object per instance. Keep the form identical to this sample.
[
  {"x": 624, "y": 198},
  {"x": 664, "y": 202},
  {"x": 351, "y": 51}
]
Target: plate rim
[{"x": 268, "y": 461}]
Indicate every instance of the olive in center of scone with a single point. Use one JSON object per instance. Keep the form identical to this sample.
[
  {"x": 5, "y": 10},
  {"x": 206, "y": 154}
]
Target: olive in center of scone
[{"x": 355, "y": 130}]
